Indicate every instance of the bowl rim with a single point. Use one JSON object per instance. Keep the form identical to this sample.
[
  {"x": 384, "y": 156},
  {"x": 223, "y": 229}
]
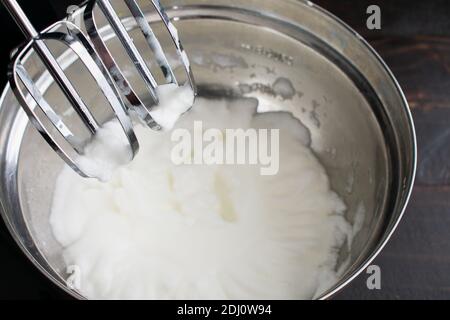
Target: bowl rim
[
  {"x": 413, "y": 136},
  {"x": 387, "y": 234}
]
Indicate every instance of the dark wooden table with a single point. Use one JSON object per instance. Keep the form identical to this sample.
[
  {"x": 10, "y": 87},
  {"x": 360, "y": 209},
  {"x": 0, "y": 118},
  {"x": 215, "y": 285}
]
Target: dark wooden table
[{"x": 415, "y": 43}]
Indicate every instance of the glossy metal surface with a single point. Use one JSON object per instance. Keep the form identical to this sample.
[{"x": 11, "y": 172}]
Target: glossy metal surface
[
  {"x": 359, "y": 120},
  {"x": 134, "y": 54},
  {"x": 22, "y": 84}
]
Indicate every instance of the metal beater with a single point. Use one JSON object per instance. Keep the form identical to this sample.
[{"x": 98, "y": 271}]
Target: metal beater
[
  {"x": 133, "y": 53},
  {"x": 100, "y": 63}
]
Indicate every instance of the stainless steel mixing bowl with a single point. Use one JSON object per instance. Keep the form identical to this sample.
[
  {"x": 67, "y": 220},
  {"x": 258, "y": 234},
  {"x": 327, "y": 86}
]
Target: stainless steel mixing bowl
[{"x": 360, "y": 123}]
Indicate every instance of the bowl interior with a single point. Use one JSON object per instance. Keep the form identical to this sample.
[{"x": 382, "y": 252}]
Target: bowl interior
[{"x": 341, "y": 92}]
